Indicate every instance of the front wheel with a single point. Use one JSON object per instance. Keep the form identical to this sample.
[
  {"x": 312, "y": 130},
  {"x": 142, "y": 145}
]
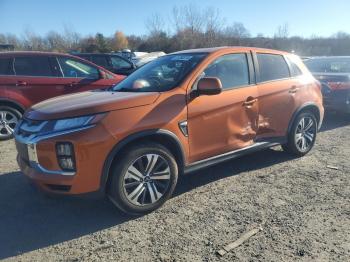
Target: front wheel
[
  {"x": 143, "y": 178},
  {"x": 302, "y": 135}
]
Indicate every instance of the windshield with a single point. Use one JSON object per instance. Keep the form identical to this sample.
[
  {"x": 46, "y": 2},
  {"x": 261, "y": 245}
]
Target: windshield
[
  {"x": 329, "y": 65},
  {"x": 161, "y": 74}
]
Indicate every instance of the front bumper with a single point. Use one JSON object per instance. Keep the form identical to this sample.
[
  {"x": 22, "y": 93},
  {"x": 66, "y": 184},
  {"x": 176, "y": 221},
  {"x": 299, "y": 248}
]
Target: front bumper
[{"x": 38, "y": 161}]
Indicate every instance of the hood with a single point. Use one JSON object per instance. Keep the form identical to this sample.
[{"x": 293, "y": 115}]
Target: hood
[{"x": 86, "y": 103}]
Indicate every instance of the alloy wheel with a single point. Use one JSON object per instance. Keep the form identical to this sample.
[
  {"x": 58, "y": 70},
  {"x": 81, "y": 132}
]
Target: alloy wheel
[
  {"x": 305, "y": 134},
  {"x": 8, "y": 122},
  {"x": 147, "y": 179}
]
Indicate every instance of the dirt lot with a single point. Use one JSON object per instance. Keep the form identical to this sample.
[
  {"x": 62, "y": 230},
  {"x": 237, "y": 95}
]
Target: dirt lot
[{"x": 303, "y": 207}]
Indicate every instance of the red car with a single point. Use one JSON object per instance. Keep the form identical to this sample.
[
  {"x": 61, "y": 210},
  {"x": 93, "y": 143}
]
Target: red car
[{"x": 27, "y": 78}]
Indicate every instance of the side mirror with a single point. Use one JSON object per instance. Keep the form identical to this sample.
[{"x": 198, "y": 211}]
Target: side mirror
[
  {"x": 209, "y": 86},
  {"x": 103, "y": 74}
]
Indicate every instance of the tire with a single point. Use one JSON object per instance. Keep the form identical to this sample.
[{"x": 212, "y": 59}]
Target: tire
[
  {"x": 143, "y": 179},
  {"x": 9, "y": 118},
  {"x": 302, "y": 135}
]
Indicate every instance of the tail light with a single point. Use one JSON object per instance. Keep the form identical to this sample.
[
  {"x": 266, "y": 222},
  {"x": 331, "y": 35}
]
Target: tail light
[{"x": 339, "y": 85}]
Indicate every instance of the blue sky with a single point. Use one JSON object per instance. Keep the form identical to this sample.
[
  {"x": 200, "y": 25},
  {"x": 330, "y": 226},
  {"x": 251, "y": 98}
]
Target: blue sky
[{"x": 305, "y": 17}]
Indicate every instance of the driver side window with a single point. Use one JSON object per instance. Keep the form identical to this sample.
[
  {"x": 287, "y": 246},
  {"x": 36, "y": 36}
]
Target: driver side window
[
  {"x": 74, "y": 68},
  {"x": 232, "y": 70}
]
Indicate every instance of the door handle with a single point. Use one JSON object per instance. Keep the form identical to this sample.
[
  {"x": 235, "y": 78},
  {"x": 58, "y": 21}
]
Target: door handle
[
  {"x": 21, "y": 83},
  {"x": 293, "y": 90},
  {"x": 250, "y": 101}
]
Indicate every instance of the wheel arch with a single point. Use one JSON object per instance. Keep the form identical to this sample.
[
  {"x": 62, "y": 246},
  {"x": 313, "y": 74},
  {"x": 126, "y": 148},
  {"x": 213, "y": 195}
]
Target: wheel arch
[
  {"x": 306, "y": 107},
  {"x": 163, "y": 137},
  {"x": 13, "y": 104}
]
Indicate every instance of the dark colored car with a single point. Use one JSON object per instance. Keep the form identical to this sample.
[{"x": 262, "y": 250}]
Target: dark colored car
[
  {"x": 334, "y": 74},
  {"x": 112, "y": 62},
  {"x": 174, "y": 115},
  {"x": 27, "y": 78}
]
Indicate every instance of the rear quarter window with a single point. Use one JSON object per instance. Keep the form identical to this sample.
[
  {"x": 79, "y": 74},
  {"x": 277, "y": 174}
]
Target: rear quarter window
[
  {"x": 272, "y": 67},
  {"x": 6, "y": 66},
  {"x": 294, "y": 68}
]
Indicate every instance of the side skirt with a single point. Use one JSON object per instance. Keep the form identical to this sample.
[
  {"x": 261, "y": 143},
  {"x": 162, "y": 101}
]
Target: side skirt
[{"x": 233, "y": 154}]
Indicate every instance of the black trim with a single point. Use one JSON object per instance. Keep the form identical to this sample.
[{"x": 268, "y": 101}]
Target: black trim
[
  {"x": 301, "y": 108},
  {"x": 117, "y": 148},
  {"x": 279, "y": 140},
  {"x": 256, "y": 66},
  {"x": 6, "y": 100},
  {"x": 60, "y": 188},
  {"x": 252, "y": 77},
  {"x": 228, "y": 156}
]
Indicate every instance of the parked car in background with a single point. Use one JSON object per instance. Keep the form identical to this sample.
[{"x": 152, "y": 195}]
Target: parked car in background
[
  {"x": 128, "y": 54},
  {"x": 334, "y": 74},
  {"x": 27, "y": 78},
  {"x": 112, "y": 62},
  {"x": 140, "y": 58},
  {"x": 146, "y": 58},
  {"x": 176, "y": 114}
]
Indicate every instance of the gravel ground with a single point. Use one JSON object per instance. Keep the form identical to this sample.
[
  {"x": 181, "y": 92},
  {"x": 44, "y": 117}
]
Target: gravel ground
[{"x": 303, "y": 207}]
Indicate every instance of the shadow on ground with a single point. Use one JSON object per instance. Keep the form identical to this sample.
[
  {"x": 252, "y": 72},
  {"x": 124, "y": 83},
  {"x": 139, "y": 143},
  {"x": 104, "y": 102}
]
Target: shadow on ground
[
  {"x": 29, "y": 220},
  {"x": 333, "y": 120}
]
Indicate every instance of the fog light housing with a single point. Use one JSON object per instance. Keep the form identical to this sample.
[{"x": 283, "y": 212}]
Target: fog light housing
[{"x": 65, "y": 156}]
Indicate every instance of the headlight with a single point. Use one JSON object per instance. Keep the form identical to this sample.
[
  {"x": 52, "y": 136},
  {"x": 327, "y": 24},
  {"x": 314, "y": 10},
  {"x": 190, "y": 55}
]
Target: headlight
[
  {"x": 76, "y": 122},
  {"x": 70, "y": 123}
]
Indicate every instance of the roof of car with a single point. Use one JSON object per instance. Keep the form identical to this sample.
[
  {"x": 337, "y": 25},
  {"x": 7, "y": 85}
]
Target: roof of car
[
  {"x": 96, "y": 54},
  {"x": 37, "y": 53},
  {"x": 230, "y": 48},
  {"x": 328, "y": 57}
]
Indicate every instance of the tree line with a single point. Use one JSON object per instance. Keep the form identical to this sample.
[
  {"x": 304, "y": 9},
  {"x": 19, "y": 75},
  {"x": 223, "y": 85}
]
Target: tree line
[{"x": 186, "y": 27}]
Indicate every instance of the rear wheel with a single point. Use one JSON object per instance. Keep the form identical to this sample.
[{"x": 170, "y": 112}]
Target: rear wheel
[
  {"x": 9, "y": 118},
  {"x": 143, "y": 179},
  {"x": 302, "y": 135}
]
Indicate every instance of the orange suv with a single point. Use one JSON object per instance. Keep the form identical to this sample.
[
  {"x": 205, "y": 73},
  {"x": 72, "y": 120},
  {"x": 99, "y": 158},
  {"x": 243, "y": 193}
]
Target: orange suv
[{"x": 179, "y": 113}]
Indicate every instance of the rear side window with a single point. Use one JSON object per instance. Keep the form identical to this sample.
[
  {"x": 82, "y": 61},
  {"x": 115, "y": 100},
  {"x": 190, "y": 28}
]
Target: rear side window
[
  {"x": 33, "y": 66},
  {"x": 6, "y": 66},
  {"x": 294, "y": 68},
  {"x": 232, "y": 70},
  {"x": 99, "y": 60},
  {"x": 272, "y": 67},
  {"x": 73, "y": 68},
  {"x": 118, "y": 62}
]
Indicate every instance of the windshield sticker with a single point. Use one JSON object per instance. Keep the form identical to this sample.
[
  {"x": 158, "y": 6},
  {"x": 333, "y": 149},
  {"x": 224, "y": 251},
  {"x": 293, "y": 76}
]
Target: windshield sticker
[{"x": 181, "y": 58}]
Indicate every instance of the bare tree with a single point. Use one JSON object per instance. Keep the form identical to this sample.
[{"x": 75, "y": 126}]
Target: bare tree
[
  {"x": 237, "y": 30},
  {"x": 56, "y": 42},
  {"x": 213, "y": 26},
  {"x": 155, "y": 24},
  {"x": 282, "y": 31}
]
